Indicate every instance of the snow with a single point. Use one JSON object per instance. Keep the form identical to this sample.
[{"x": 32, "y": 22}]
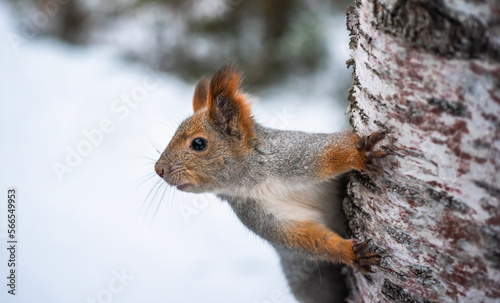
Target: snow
[{"x": 84, "y": 234}]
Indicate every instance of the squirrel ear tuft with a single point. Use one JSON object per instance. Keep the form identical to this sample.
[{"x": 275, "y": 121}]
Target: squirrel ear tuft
[
  {"x": 227, "y": 105},
  {"x": 201, "y": 94},
  {"x": 225, "y": 81}
]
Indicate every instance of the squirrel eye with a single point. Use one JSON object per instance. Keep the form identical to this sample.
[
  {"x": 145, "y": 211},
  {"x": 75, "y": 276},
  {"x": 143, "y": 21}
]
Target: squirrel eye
[{"x": 199, "y": 144}]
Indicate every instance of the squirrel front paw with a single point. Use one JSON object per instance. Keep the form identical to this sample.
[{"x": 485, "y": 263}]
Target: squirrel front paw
[
  {"x": 364, "y": 259},
  {"x": 366, "y": 144}
]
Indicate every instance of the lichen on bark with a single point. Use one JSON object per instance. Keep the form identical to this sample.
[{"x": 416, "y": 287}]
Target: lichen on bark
[{"x": 429, "y": 73}]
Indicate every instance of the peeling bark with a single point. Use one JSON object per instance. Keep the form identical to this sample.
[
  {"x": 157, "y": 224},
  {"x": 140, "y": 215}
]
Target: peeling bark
[{"x": 428, "y": 71}]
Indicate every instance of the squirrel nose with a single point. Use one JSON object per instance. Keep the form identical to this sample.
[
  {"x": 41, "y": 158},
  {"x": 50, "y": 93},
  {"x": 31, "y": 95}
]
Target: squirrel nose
[{"x": 159, "y": 170}]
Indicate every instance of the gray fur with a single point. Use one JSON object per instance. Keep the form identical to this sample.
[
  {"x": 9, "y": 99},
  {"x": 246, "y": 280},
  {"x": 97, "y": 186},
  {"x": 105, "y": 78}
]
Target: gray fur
[
  {"x": 290, "y": 158},
  {"x": 282, "y": 155},
  {"x": 313, "y": 281}
]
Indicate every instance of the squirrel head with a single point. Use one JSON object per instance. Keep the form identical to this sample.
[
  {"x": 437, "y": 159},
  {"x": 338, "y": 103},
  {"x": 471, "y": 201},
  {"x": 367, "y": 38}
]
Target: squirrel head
[{"x": 208, "y": 149}]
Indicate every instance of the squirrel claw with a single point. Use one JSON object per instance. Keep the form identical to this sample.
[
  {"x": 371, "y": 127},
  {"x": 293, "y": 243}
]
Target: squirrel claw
[
  {"x": 368, "y": 142},
  {"x": 364, "y": 258},
  {"x": 374, "y": 168},
  {"x": 375, "y": 154},
  {"x": 365, "y": 145},
  {"x": 360, "y": 245}
]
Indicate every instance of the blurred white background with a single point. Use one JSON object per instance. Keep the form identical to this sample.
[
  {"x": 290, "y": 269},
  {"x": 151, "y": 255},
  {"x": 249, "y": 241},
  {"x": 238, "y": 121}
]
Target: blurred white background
[{"x": 87, "y": 230}]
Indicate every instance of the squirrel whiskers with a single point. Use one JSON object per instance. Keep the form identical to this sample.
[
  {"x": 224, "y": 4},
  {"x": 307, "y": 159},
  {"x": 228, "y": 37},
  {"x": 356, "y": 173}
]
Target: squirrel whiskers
[{"x": 281, "y": 184}]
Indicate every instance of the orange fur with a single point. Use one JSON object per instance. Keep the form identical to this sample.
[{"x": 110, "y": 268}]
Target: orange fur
[
  {"x": 194, "y": 130},
  {"x": 225, "y": 83},
  {"x": 200, "y": 94},
  {"x": 342, "y": 156},
  {"x": 313, "y": 237}
]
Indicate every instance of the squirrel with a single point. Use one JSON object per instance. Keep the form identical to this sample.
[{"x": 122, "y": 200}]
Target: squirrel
[{"x": 282, "y": 185}]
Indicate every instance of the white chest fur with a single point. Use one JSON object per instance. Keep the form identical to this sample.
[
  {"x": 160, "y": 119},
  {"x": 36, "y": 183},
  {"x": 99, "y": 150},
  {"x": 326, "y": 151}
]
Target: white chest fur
[{"x": 293, "y": 201}]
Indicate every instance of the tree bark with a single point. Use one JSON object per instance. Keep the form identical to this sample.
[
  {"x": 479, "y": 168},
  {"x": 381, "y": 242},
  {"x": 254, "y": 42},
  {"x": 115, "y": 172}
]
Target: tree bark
[{"x": 428, "y": 71}]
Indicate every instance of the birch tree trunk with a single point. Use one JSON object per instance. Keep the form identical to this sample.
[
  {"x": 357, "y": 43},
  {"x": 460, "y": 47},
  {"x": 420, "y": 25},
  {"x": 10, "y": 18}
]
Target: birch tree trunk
[{"x": 429, "y": 72}]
